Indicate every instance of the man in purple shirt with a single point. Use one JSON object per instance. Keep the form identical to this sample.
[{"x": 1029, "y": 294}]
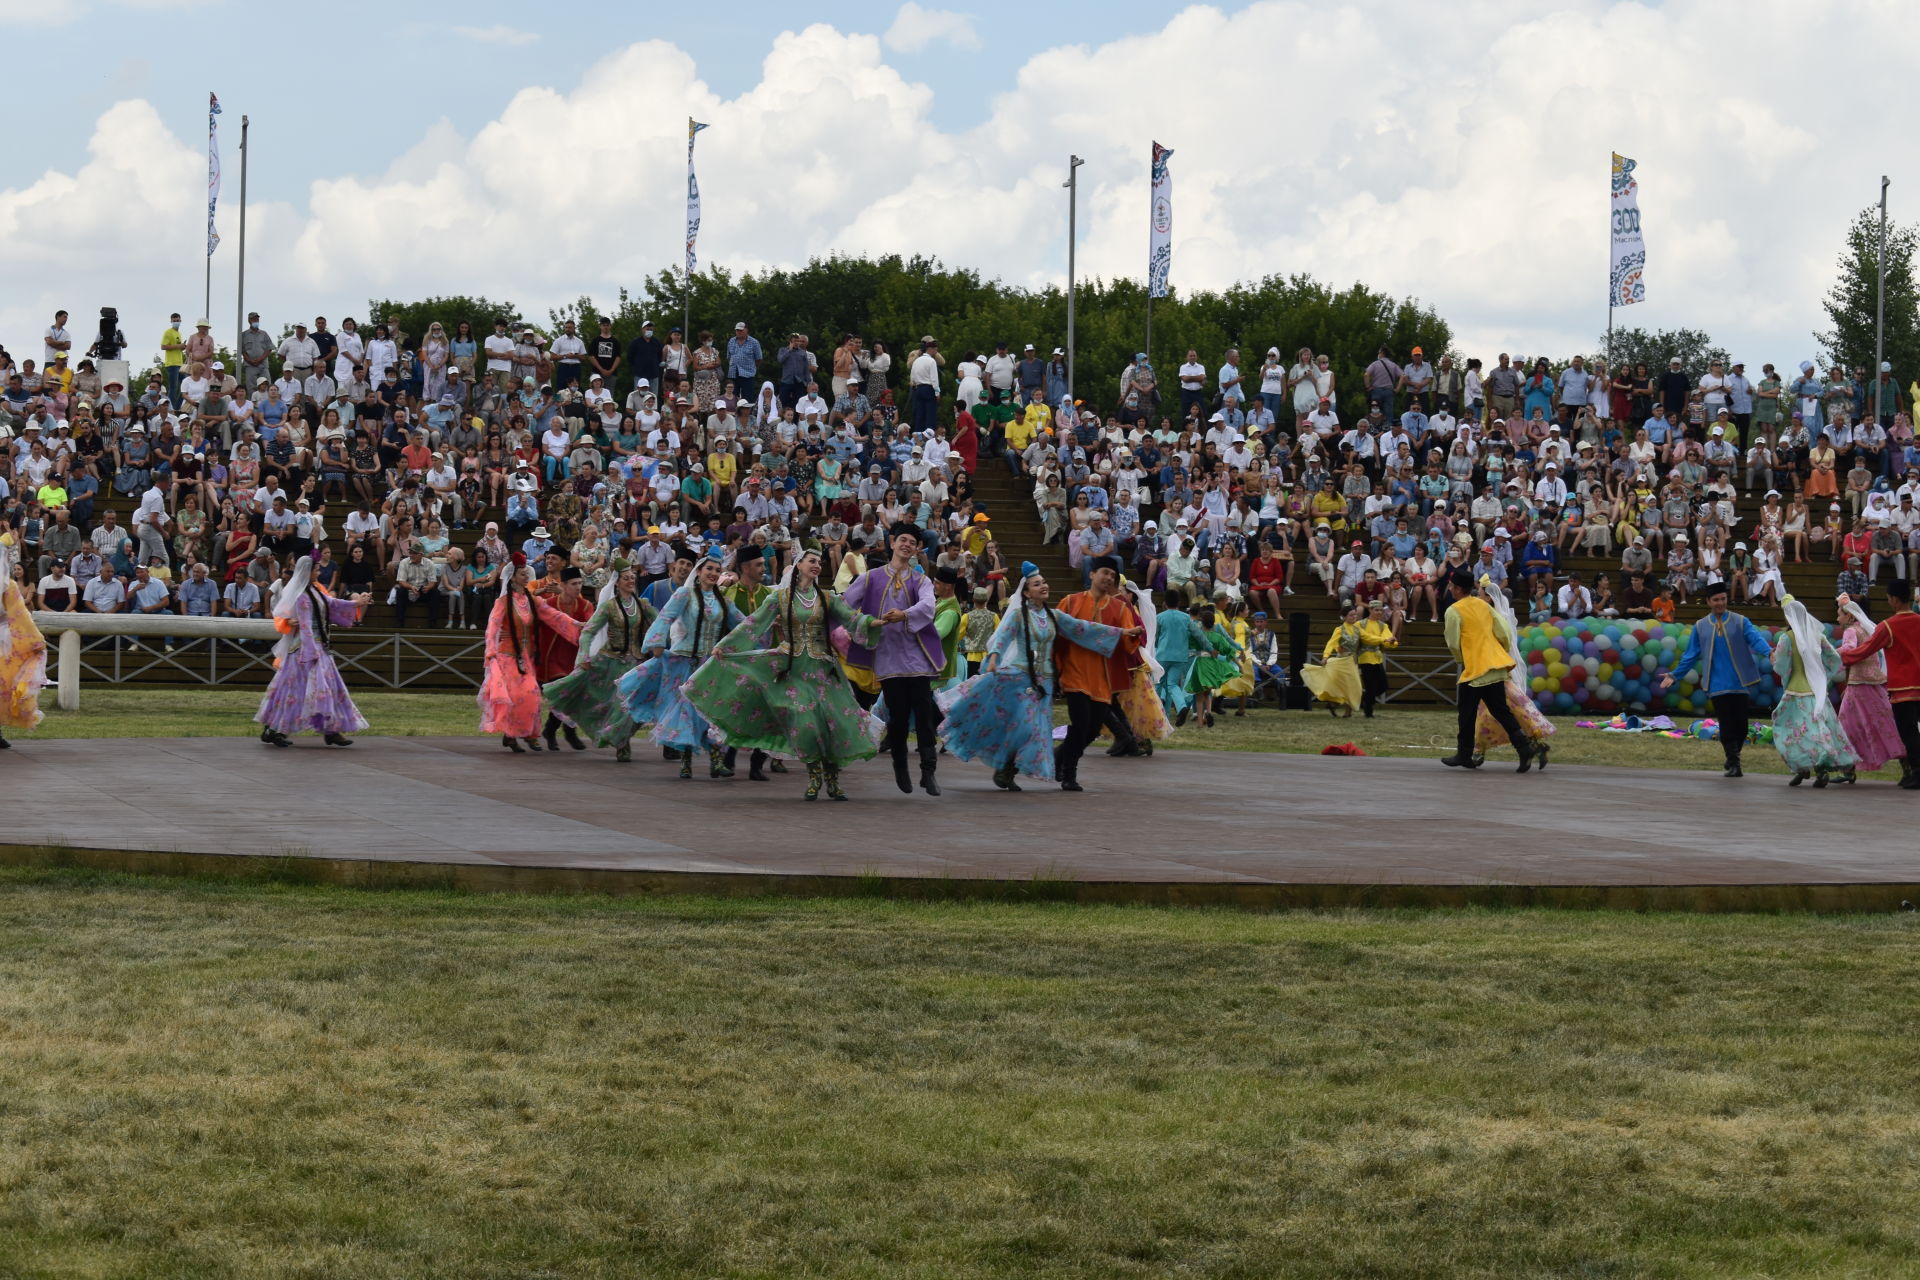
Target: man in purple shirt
[{"x": 910, "y": 654}]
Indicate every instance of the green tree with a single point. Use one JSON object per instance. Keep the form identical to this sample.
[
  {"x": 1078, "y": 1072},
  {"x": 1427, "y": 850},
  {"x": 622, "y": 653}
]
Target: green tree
[
  {"x": 1653, "y": 349},
  {"x": 412, "y": 318},
  {"x": 895, "y": 300},
  {"x": 1850, "y": 303}
]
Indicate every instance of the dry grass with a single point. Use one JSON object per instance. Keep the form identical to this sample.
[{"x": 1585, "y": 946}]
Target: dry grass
[{"x": 253, "y": 1081}]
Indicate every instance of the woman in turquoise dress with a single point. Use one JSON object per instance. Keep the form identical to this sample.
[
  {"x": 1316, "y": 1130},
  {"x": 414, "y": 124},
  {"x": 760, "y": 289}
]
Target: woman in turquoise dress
[
  {"x": 611, "y": 645},
  {"x": 688, "y": 629},
  {"x": 774, "y": 684},
  {"x": 1004, "y": 715},
  {"x": 1806, "y": 731}
]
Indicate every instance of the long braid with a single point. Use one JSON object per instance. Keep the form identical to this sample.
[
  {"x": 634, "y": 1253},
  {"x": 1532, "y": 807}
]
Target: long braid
[
  {"x": 317, "y": 604},
  {"x": 699, "y": 613},
  {"x": 1026, "y": 639},
  {"x": 793, "y": 641}
]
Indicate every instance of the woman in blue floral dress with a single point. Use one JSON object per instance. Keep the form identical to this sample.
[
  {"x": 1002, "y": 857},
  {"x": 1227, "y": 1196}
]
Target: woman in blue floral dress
[{"x": 1004, "y": 715}]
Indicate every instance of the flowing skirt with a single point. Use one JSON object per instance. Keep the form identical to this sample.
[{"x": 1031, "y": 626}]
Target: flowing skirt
[
  {"x": 639, "y": 691},
  {"x": 23, "y": 673},
  {"x": 1337, "y": 680},
  {"x": 1142, "y": 707},
  {"x": 1866, "y": 714},
  {"x": 309, "y": 697},
  {"x": 1211, "y": 671},
  {"x": 1487, "y": 733},
  {"x": 588, "y": 699},
  {"x": 998, "y": 717},
  {"x": 808, "y": 713},
  {"x": 1808, "y": 735},
  {"x": 676, "y": 721},
  {"x": 509, "y": 699}
]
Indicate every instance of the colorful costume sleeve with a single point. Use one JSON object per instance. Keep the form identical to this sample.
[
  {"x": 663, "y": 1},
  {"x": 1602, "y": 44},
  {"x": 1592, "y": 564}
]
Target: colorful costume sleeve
[
  {"x": 660, "y": 632},
  {"x": 1830, "y": 659},
  {"x": 863, "y": 628},
  {"x": 1867, "y": 648},
  {"x": 552, "y": 617},
  {"x": 1758, "y": 643},
  {"x": 1781, "y": 659},
  {"x": 758, "y": 631},
  {"x": 342, "y": 613},
  {"x": 1097, "y": 636}
]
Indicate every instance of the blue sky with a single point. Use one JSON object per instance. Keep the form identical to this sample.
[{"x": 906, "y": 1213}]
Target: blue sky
[
  {"x": 424, "y": 71},
  {"x": 1446, "y": 156}
]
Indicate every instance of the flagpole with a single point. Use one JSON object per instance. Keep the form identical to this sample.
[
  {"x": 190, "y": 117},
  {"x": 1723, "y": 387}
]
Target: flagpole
[
  {"x": 693, "y": 231},
  {"x": 1072, "y": 184},
  {"x": 240, "y": 289}
]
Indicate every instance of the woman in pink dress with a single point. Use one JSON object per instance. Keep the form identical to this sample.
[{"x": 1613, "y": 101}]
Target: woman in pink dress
[
  {"x": 510, "y": 692},
  {"x": 1866, "y": 713}
]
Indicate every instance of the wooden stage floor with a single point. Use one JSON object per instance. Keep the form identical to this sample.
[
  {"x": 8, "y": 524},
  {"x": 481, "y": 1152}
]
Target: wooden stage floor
[{"x": 1180, "y": 821}]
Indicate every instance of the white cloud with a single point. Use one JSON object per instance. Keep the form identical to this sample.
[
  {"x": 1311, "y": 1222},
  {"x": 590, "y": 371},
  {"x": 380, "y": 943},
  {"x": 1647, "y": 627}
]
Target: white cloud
[
  {"x": 1468, "y": 177},
  {"x": 498, "y": 33},
  {"x": 914, "y": 28}
]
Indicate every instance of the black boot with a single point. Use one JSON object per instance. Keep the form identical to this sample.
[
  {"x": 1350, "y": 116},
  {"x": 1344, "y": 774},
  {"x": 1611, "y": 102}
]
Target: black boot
[
  {"x": 757, "y": 767},
  {"x": 533, "y": 744},
  {"x": 927, "y": 784},
  {"x": 548, "y": 731},
  {"x": 573, "y": 738},
  {"x": 1909, "y": 776},
  {"x": 1067, "y": 773},
  {"x": 337, "y": 740},
  {"x": 4, "y": 744},
  {"x": 1003, "y": 778},
  {"x": 513, "y": 745},
  {"x": 274, "y": 738},
  {"x": 901, "y": 778}
]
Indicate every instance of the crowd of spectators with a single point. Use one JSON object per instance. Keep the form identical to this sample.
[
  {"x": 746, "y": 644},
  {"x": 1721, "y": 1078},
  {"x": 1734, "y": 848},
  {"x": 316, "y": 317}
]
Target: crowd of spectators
[{"x": 370, "y": 447}]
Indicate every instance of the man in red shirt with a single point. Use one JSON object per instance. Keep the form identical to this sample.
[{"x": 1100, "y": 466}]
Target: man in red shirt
[
  {"x": 1899, "y": 637},
  {"x": 554, "y": 654},
  {"x": 1088, "y": 681}
]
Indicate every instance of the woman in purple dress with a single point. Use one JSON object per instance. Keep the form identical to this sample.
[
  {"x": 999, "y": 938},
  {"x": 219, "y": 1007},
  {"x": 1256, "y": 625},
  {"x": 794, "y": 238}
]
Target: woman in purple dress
[{"x": 307, "y": 694}]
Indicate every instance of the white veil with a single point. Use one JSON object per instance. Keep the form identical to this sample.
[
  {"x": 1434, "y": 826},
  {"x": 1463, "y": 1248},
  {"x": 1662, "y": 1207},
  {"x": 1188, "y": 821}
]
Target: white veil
[
  {"x": 286, "y": 608},
  {"x": 1149, "y": 626},
  {"x": 1497, "y": 597},
  {"x": 1808, "y": 636},
  {"x": 599, "y": 640}
]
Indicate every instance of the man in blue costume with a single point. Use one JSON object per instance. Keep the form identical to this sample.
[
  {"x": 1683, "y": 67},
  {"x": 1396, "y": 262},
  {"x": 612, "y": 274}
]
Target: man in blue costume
[{"x": 1734, "y": 657}]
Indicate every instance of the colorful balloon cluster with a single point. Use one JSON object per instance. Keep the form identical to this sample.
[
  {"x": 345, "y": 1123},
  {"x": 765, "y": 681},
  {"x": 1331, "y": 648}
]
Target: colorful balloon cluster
[{"x": 1614, "y": 664}]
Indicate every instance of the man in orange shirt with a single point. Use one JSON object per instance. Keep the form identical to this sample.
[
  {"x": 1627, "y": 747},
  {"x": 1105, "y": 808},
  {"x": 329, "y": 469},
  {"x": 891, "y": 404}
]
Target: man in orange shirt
[{"x": 1088, "y": 681}]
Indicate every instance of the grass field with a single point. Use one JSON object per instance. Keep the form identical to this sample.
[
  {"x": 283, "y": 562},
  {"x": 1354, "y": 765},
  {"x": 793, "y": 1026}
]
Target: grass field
[
  {"x": 218, "y": 1080},
  {"x": 150, "y": 713}
]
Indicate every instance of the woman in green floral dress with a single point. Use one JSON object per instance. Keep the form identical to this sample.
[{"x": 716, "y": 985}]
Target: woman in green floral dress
[
  {"x": 610, "y": 647},
  {"x": 774, "y": 683}
]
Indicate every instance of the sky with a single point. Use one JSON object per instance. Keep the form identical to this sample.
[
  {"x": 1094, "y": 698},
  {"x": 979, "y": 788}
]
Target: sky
[{"x": 1458, "y": 155}]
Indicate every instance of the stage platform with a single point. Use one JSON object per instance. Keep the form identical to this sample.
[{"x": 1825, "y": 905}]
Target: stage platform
[{"x": 1230, "y": 828}]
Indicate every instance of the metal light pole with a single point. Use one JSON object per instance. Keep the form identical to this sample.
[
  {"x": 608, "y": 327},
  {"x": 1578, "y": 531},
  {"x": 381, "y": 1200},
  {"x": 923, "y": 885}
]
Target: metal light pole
[
  {"x": 1880, "y": 304},
  {"x": 1072, "y": 184},
  {"x": 240, "y": 288}
]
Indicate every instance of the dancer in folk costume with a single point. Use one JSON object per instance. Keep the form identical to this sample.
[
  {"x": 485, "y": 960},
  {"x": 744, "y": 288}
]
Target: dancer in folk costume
[
  {"x": 611, "y": 646},
  {"x": 774, "y": 683},
  {"x": 557, "y": 654},
  {"x": 1335, "y": 679},
  {"x": 1088, "y": 678},
  {"x": 23, "y": 654},
  {"x": 1806, "y": 732},
  {"x": 908, "y": 656},
  {"x": 696, "y": 618},
  {"x": 509, "y": 694},
  {"x": 1533, "y": 722},
  {"x": 1004, "y": 715},
  {"x": 1866, "y": 713},
  {"x": 1138, "y": 705},
  {"x": 306, "y": 694},
  {"x": 1898, "y": 636}
]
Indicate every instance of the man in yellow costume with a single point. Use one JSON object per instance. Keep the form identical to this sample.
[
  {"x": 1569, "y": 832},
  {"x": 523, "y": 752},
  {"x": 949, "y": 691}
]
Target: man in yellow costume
[
  {"x": 1480, "y": 640},
  {"x": 1375, "y": 635}
]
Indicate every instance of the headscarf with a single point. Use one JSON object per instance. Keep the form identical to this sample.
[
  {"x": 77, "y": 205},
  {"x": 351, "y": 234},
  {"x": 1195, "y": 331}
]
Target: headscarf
[
  {"x": 1149, "y": 625},
  {"x": 286, "y": 614},
  {"x": 1497, "y": 597},
  {"x": 765, "y": 414},
  {"x": 1808, "y": 637}
]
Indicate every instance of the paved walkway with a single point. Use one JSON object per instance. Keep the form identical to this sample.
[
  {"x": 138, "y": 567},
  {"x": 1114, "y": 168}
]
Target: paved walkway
[{"x": 1183, "y": 817}]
